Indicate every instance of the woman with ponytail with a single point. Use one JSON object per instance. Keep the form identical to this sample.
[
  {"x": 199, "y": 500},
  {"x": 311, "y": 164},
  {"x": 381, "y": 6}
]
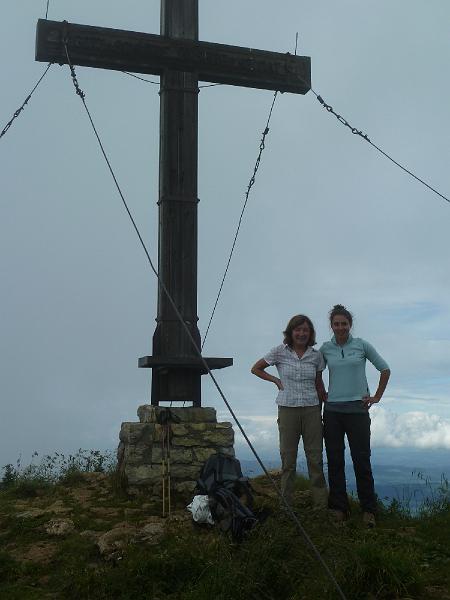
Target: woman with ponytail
[{"x": 346, "y": 413}]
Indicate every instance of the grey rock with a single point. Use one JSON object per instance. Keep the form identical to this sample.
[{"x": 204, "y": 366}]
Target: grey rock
[
  {"x": 202, "y": 454},
  {"x": 216, "y": 437},
  {"x": 142, "y": 454},
  {"x": 143, "y": 474},
  {"x": 112, "y": 543},
  {"x": 149, "y": 414},
  {"x": 186, "y": 488},
  {"x": 181, "y": 455},
  {"x": 137, "y": 433},
  {"x": 33, "y": 513},
  {"x": 58, "y": 507},
  {"x": 186, "y": 472},
  {"x": 91, "y": 535},
  {"x": 59, "y": 527},
  {"x": 152, "y": 533}
]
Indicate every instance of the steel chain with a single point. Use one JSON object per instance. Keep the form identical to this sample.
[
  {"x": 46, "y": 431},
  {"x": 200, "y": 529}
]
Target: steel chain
[
  {"x": 365, "y": 137},
  {"x": 341, "y": 119},
  {"x": 27, "y": 99},
  {"x": 78, "y": 90},
  {"x": 262, "y": 145}
]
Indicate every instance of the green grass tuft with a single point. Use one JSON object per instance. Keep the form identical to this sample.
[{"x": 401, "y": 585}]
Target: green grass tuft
[{"x": 371, "y": 568}]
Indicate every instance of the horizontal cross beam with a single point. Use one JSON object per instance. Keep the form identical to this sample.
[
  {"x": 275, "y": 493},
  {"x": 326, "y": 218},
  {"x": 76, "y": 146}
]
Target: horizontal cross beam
[
  {"x": 185, "y": 362},
  {"x": 121, "y": 50}
]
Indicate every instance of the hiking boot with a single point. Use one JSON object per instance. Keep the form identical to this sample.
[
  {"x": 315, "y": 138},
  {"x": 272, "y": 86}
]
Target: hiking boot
[
  {"x": 369, "y": 519},
  {"x": 337, "y": 516}
]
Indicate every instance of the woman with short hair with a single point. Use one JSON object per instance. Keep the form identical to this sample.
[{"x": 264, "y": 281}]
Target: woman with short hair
[
  {"x": 346, "y": 413},
  {"x": 300, "y": 392}
]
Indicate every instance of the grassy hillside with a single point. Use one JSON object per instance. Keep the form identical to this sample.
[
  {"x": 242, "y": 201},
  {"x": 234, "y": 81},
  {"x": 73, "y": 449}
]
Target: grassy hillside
[{"x": 68, "y": 531}]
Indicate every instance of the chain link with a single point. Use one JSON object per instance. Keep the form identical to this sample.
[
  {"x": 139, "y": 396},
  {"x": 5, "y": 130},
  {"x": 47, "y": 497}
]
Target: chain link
[
  {"x": 365, "y": 137},
  {"x": 78, "y": 90},
  {"x": 27, "y": 99},
  {"x": 341, "y": 119}
]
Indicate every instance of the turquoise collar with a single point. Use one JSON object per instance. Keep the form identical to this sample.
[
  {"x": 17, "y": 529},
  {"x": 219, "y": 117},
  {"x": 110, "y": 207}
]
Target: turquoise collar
[{"x": 349, "y": 339}]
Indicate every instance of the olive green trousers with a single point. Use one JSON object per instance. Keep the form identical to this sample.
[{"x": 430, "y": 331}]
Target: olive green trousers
[{"x": 302, "y": 422}]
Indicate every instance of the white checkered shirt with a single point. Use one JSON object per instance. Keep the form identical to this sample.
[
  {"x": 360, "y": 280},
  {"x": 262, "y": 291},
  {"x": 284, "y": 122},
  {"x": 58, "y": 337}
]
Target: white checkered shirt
[{"x": 297, "y": 375}]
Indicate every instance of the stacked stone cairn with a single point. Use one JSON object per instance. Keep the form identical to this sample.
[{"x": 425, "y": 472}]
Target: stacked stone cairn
[{"x": 194, "y": 435}]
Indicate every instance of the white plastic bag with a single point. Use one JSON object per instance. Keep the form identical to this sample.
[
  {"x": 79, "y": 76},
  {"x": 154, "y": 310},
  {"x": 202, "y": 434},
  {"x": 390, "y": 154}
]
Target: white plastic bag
[{"x": 199, "y": 508}]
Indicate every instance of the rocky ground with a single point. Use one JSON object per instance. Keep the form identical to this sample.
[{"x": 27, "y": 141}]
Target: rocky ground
[
  {"x": 64, "y": 538},
  {"x": 91, "y": 510}
]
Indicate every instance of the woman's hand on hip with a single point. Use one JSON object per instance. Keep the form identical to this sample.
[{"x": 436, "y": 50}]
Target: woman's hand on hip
[
  {"x": 278, "y": 383},
  {"x": 369, "y": 400},
  {"x": 259, "y": 369}
]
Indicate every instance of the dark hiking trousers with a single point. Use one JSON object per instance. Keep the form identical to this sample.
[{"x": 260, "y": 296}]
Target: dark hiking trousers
[{"x": 356, "y": 426}]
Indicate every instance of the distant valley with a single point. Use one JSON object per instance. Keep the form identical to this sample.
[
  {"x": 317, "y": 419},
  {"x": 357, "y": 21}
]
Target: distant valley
[{"x": 409, "y": 475}]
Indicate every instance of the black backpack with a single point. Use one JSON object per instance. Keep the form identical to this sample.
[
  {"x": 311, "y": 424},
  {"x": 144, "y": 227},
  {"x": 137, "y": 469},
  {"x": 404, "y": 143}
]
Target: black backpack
[
  {"x": 230, "y": 494},
  {"x": 230, "y": 514},
  {"x": 223, "y": 471}
]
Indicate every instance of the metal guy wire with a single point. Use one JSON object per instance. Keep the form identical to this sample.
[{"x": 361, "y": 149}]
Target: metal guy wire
[{"x": 25, "y": 102}]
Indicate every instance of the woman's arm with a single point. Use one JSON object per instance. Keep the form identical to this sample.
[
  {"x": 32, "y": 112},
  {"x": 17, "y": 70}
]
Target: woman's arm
[
  {"x": 321, "y": 392},
  {"x": 384, "y": 378},
  {"x": 259, "y": 368}
]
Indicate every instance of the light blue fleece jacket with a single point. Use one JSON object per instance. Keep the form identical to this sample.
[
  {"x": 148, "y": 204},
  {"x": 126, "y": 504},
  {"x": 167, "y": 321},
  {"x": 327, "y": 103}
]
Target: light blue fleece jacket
[{"x": 347, "y": 368}]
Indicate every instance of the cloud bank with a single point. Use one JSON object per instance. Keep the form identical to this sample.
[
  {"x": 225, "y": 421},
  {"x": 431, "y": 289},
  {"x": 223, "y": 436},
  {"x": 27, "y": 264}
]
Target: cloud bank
[{"x": 415, "y": 429}]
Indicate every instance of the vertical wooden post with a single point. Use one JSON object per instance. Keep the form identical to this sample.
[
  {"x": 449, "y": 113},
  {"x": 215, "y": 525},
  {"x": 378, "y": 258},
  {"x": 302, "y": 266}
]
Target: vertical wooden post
[{"x": 178, "y": 215}]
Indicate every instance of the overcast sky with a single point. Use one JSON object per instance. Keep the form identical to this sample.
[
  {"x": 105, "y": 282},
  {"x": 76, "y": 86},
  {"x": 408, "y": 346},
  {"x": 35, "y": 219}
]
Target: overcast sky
[{"x": 329, "y": 219}]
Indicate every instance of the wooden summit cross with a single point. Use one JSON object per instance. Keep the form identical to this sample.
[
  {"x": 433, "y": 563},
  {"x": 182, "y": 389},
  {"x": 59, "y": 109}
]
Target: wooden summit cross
[{"x": 180, "y": 60}]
